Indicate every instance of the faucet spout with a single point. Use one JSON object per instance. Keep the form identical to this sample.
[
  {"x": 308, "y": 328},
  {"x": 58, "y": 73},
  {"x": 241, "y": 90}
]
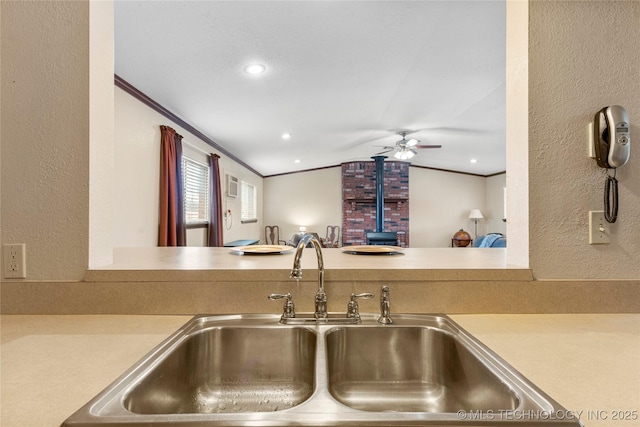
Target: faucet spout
[{"x": 296, "y": 273}]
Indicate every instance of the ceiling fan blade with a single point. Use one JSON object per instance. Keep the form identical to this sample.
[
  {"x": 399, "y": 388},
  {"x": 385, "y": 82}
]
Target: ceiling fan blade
[
  {"x": 427, "y": 146},
  {"x": 382, "y": 152}
]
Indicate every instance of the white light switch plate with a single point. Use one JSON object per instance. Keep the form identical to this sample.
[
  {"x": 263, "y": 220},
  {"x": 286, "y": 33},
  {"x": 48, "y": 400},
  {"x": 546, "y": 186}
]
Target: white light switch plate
[{"x": 599, "y": 229}]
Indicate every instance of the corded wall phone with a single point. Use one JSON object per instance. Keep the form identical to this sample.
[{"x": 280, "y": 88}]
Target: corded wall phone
[
  {"x": 611, "y": 139},
  {"x": 612, "y": 145}
]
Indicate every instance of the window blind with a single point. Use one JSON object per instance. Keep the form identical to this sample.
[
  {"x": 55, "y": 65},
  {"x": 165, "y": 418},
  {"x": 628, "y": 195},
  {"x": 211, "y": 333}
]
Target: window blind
[
  {"x": 248, "y": 208},
  {"x": 195, "y": 177}
]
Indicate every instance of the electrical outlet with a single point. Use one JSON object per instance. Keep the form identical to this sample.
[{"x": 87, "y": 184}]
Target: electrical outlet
[
  {"x": 15, "y": 262},
  {"x": 599, "y": 229}
]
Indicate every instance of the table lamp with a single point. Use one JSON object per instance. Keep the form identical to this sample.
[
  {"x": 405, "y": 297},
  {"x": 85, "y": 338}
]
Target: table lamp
[{"x": 475, "y": 215}]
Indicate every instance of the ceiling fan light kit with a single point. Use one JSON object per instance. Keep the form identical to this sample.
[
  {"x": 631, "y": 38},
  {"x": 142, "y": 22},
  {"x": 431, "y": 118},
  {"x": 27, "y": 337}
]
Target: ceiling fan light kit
[
  {"x": 405, "y": 154},
  {"x": 405, "y": 149}
]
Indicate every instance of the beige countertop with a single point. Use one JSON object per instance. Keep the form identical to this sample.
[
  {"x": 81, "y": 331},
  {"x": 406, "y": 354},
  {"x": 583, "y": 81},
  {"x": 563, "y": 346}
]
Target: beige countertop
[
  {"x": 226, "y": 264},
  {"x": 52, "y": 365}
]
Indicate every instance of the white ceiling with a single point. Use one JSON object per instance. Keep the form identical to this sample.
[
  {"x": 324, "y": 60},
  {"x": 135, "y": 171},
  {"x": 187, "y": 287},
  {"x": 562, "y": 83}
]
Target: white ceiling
[{"x": 342, "y": 77}]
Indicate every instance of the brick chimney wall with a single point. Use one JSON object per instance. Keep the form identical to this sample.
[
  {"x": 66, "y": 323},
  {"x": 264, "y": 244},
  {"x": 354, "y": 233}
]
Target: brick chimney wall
[{"x": 359, "y": 201}]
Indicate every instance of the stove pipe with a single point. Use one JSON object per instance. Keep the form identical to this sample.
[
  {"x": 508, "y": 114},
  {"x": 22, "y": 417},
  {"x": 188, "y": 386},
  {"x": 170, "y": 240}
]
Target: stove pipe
[{"x": 379, "y": 192}]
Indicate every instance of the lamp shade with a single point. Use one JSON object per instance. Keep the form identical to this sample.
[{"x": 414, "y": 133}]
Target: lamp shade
[
  {"x": 475, "y": 214},
  {"x": 404, "y": 154}
]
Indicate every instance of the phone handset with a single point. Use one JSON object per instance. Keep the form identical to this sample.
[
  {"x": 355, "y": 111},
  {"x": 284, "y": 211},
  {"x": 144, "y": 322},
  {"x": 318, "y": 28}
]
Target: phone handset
[
  {"x": 612, "y": 143},
  {"x": 612, "y": 139}
]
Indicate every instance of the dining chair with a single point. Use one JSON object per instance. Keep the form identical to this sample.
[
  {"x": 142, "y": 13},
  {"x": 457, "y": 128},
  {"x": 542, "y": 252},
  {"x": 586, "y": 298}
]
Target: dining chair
[
  {"x": 332, "y": 240},
  {"x": 272, "y": 235}
]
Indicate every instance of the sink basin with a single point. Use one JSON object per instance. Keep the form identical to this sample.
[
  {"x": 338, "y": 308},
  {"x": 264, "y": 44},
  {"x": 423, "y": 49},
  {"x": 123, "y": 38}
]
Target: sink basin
[
  {"x": 230, "y": 369},
  {"x": 411, "y": 369},
  {"x": 250, "y": 370}
]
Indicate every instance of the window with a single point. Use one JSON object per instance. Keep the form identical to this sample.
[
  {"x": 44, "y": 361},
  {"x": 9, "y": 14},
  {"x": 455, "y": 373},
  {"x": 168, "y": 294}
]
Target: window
[
  {"x": 195, "y": 178},
  {"x": 248, "y": 207}
]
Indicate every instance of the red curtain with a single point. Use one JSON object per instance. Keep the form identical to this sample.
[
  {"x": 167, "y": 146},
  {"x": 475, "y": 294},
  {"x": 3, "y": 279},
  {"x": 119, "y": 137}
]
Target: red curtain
[
  {"x": 172, "y": 229},
  {"x": 215, "y": 229}
]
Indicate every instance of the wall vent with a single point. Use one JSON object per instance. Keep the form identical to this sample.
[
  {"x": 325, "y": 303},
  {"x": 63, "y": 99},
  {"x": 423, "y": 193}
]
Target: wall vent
[{"x": 232, "y": 186}]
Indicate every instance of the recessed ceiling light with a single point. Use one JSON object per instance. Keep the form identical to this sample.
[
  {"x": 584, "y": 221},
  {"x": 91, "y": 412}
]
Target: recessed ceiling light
[
  {"x": 296, "y": 161},
  {"x": 286, "y": 135},
  {"x": 474, "y": 160},
  {"x": 255, "y": 69}
]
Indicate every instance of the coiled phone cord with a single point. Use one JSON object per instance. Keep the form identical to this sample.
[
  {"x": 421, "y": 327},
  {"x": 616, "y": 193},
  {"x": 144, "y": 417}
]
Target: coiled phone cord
[{"x": 611, "y": 198}]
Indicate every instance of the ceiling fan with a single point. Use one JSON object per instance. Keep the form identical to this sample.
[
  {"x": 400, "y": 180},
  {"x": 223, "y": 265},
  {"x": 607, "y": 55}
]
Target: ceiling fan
[{"x": 405, "y": 148}]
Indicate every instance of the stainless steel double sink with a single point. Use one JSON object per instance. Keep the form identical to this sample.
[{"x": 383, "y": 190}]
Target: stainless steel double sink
[{"x": 249, "y": 370}]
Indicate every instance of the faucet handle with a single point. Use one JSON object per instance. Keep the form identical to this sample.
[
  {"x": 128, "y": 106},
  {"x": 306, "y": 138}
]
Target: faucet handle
[
  {"x": 364, "y": 295},
  {"x": 288, "y": 310},
  {"x": 352, "y": 308}
]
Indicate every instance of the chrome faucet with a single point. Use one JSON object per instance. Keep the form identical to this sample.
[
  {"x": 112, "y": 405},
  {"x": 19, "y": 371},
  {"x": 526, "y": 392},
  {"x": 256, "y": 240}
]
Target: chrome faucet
[
  {"x": 385, "y": 307},
  {"x": 296, "y": 273}
]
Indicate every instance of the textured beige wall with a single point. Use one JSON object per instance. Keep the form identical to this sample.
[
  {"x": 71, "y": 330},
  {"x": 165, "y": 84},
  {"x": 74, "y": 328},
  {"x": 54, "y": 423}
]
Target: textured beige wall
[
  {"x": 312, "y": 199},
  {"x": 582, "y": 57},
  {"x": 136, "y": 172},
  {"x": 136, "y": 199},
  {"x": 439, "y": 204},
  {"x": 45, "y": 135}
]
